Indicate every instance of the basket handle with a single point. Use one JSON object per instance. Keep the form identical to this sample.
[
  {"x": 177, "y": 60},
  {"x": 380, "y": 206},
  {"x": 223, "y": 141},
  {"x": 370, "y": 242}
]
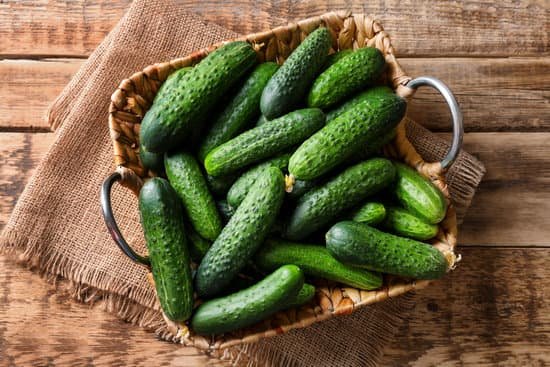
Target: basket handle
[
  {"x": 109, "y": 218},
  {"x": 458, "y": 125}
]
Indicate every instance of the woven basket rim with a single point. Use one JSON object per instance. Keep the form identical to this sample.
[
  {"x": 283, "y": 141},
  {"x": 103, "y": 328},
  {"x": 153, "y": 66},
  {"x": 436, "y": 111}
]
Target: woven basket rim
[{"x": 134, "y": 95}]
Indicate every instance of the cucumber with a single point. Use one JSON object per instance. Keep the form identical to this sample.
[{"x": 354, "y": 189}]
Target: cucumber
[
  {"x": 346, "y": 76},
  {"x": 162, "y": 220},
  {"x": 289, "y": 85},
  {"x": 335, "y": 57},
  {"x": 404, "y": 223},
  {"x": 418, "y": 195},
  {"x": 242, "y": 236},
  {"x": 360, "y": 245},
  {"x": 152, "y": 161},
  {"x": 325, "y": 203},
  {"x": 299, "y": 188},
  {"x": 249, "y": 305},
  {"x": 261, "y": 120},
  {"x": 225, "y": 210},
  {"x": 347, "y": 105},
  {"x": 264, "y": 141},
  {"x": 221, "y": 184},
  {"x": 198, "y": 246},
  {"x": 314, "y": 261},
  {"x": 186, "y": 178},
  {"x": 347, "y": 134},
  {"x": 305, "y": 295},
  {"x": 240, "y": 188},
  {"x": 374, "y": 146},
  {"x": 173, "y": 114},
  {"x": 370, "y": 213},
  {"x": 241, "y": 111}
]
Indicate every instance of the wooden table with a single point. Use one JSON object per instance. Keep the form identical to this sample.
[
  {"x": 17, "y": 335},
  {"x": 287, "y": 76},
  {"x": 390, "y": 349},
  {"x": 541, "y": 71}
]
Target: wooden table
[{"x": 493, "y": 310}]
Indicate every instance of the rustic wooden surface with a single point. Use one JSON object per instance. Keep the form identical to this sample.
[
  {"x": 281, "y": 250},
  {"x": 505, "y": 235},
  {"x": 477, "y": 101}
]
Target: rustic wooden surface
[{"x": 493, "y": 310}]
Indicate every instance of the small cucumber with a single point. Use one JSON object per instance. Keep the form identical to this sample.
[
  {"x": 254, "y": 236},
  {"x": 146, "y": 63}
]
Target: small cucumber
[
  {"x": 404, "y": 223},
  {"x": 240, "y": 188},
  {"x": 289, "y": 85},
  {"x": 360, "y": 245},
  {"x": 347, "y": 134},
  {"x": 219, "y": 185},
  {"x": 264, "y": 141},
  {"x": 186, "y": 178},
  {"x": 371, "y": 213},
  {"x": 240, "y": 112},
  {"x": 305, "y": 295},
  {"x": 152, "y": 161},
  {"x": 162, "y": 220},
  {"x": 335, "y": 57},
  {"x": 225, "y": 210},
  {"x": 418, "y": 195},
  {"x": 325, "y": 203},
  {"x": 249, "y": 305},
  {"x": 244, "y": 233},
  {"x": 314, "y": 261},
  {"x": 346, "y": 76}
]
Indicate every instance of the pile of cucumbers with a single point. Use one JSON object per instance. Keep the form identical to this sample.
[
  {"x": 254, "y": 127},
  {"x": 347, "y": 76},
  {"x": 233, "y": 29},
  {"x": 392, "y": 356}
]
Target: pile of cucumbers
[{"x": 270, "y": 177}]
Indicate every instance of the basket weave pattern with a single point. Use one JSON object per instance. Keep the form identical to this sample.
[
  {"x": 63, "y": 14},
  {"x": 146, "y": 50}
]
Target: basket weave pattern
[{"x": 135, "y": 95}]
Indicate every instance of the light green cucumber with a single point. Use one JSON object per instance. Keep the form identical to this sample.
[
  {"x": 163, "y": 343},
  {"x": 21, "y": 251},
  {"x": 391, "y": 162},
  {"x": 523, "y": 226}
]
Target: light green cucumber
[
  {"x": 404, "y": 223},
  {"x": 370, "y": 213}
]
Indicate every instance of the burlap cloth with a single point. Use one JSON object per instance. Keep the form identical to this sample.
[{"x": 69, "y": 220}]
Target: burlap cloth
[{"x": 57, "y": 225}]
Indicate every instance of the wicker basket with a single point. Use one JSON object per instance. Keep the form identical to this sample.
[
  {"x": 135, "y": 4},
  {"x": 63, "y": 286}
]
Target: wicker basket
[{"x": 135, "y": 95}]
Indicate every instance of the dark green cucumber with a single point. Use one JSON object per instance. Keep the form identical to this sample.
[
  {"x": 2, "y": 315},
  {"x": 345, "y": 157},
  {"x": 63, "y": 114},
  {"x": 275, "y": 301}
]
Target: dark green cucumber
[
  {"x": 264, "y": 141},
  {"x": 249, "y": 305},
  {"x": 172, "y": 116},
  {"x": 346, "y": 76},
  {"x": 152, "y": 161},
  {"x": 335, "y": 57},
  {"x": 299, "y": 188},
  {"x": 374, "y": 146},
  {"x": 305, "y": 295},
  {"x": 370, "y": 213},
  {"x": 244, "y": 233},
  {"x": 261, "y": 120},
  {"x": 198, "y": 246},
  {"x": 289, "y": 85},
  {"x": 219, "y": 185},
  {"x": 346, "y": 106},
  {"x": 404, "y": 223},
  {"x": 314, "y": 261},
  {"x": 241, "y": 111},
  {"x": 417, "y": 194},
  {"x": 240, "y": 188},
  {"x": 325, "y": 203},
  {"x": 162, "y": 220},
  {"x": 360, "y": 245},
  {"x": 225, "y": 210},
  {"x": 350, "y": 132},
  {"x": 186, "y": 178}
]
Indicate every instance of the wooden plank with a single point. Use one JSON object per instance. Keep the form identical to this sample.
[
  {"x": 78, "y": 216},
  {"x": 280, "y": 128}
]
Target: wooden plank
[
  {"x": 421, "y": 28},
  {"x": 514, "y": 89},
  {"x": 491, "y": 311}
]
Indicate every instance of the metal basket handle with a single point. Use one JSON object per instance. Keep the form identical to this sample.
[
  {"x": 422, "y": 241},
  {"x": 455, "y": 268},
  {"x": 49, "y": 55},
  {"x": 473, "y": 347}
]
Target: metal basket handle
[
  {"x": 109, "y": 218},
  {"x": 458, "y": 126}
]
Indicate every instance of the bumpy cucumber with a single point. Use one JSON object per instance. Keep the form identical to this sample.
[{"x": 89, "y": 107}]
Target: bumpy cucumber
[
  {"x": 324, "y": 203},
  {"x": 162, "y": 220},
  {"x": 186, "y": 178},
  {"x": 152, "y": 161},
  {"x": 249, "y": 305},
  {"x": 241, "y": 111},
  {"x": 173, "y": 114},
  {"x": 315, "y": 261},
  {"x": 264, "y": 141},
  {"x": 290, "y": 83},
  {"x": 360, "y": 245},
  {"x": 335, "y": 57},
  {"x": 244, "y": 233},
  {"x": 404, "y": 223},
  {"x": 346, "y": 76},
  {"x": 417, "y": 194},
  {"x": 305, "y": 295},
  {"x": 370, "y": 213},
  {"x": 240, "y": 188},
  {"x": 347, "y": 134},
  {"x": 225, "y": 210}
]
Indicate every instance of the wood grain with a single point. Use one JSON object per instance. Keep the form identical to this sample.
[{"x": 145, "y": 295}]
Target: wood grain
[
  {"x": 420, "y": 28},
  {"x": 508, "y": 94}
]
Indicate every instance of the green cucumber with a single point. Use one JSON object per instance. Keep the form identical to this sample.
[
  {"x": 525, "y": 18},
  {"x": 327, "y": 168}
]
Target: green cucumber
[
  {"x": 314, "y": 261},
  {"x": 404, "y": 223},
  {"x": 370, "y": 213},
  {"x": 325, "y": 203},
  {"x": 225, "y": 210},
  {"x": 152, "y": 161},
  {"x": 346, "y": 105},
  {"x": 219, "y": 185},
  {"x": 289, "y": 85},
  {"x": 300, "y": 187},
  {"x": 186, "y": 178},
  {"x": 360, "y": 245},
  {"x": 335, "y": 57},
  {"x": 418, "y": 195},
  {"x": 264, "y": 141},
  {"x": 244, "y": 233},
  {"x": 305, "y": 295},
  {"x": 261, "y": 120},
  {"x": 241, "y": 111},
  {"x": 162, "y": 220},
  {"x": 240, "y": 188},
  {"x": 249, "y": 305},
  {"x": 346, "y": 76},
  {"x": 347, "y": 134},
  {"x": 198, "y": 246},
  {"x": 173, "y": 114}
]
